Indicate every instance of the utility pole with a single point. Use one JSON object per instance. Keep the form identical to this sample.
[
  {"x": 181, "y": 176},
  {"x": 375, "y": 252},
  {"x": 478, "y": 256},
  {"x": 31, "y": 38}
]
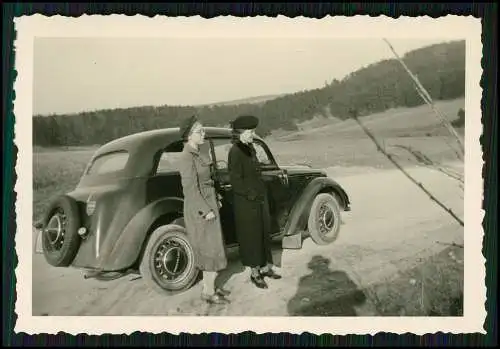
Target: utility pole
[{"x": 427, "y": 99}]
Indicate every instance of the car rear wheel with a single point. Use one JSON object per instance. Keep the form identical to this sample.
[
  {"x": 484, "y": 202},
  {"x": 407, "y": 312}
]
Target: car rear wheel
[
  {"x": 324, "y": 219},
  {"x": 168, "y": 264},
  {"x": 60, "y": 239}
]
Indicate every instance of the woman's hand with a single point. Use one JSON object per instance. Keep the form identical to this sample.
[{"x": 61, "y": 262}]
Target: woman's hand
[{"x": 210, "y": 215}]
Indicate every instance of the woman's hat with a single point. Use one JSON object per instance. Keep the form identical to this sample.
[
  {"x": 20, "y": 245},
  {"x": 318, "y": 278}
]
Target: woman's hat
[
  {"x": 245, "y": 122},
  {"x": 186, "y": 126}
]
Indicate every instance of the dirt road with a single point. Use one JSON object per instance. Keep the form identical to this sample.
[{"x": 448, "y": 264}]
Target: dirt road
[{"x": 392, "y": 226}]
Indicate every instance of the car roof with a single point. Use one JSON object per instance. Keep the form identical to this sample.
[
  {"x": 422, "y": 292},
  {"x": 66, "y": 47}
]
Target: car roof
[
  {"x": 153, "y": 138},
  {"x": 143, "y": 148}
]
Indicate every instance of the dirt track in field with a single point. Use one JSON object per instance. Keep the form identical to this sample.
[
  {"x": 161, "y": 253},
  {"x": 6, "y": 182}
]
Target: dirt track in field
[{"x": 393, "y": 225}]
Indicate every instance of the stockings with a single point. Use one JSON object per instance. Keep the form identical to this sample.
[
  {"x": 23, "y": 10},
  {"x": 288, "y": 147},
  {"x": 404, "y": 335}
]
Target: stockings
[{"x": 209, "y": 282}]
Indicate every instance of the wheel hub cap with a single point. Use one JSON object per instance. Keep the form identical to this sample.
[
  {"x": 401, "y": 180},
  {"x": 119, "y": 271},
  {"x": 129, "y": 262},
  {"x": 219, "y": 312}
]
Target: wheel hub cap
[
  {"x": 326, "y": 219},
  {"x": 55, "y": 230},
  {"x": 170, "y": 260}
]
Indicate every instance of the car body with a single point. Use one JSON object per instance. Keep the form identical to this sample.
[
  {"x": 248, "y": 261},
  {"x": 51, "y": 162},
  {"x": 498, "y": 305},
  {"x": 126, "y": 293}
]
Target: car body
[{"x": 125, "y": 214}]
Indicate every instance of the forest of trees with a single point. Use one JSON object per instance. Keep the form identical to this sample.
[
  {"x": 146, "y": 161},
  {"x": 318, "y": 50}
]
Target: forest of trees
[{"x": 380, "y": 86}]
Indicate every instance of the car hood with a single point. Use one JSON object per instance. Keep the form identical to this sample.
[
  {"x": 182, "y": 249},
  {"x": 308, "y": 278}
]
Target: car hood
[{"x": 302, "y": 169}]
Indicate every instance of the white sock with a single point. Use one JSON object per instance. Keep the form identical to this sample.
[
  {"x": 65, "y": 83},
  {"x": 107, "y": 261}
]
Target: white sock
[{"x": 209, "y": 282}]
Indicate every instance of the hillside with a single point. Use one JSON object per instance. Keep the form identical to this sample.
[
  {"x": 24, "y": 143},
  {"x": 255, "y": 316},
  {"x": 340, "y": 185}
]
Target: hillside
[
  {"x": 249, "y": 100},
  {"x": 398, "y": 122},
  {"x": 372, "y": 89}
]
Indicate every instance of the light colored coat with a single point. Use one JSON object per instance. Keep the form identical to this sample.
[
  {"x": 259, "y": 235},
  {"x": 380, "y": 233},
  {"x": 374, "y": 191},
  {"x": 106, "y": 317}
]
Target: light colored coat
[{"x": 199, "y": 199}]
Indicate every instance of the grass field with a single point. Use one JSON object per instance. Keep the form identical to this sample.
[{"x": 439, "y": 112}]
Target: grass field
[
  {"x": 398, "y": 131},
  {"x": 56, "y": 172},
  {"x": 432, "y": 288}
]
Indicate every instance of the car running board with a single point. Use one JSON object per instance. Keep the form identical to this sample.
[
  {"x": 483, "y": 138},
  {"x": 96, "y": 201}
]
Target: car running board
[
  {"x": 292, "y": 242},
  {"x": 107, "y": 276}
]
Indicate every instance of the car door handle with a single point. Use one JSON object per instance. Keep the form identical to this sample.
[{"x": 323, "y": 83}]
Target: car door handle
[{"x": 226, "y": 186}]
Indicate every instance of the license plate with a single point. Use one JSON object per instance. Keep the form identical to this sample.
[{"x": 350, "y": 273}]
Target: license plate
[{"x": 38, "y": 242}]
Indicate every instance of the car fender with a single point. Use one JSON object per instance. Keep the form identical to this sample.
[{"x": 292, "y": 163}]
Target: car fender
[
  {"x": 128, "y": 246},
  {"x": 299, "y": 213}
]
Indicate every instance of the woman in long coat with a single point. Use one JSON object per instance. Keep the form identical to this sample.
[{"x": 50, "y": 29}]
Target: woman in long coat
[
  {"x": 201, "y": 210},
  {"x": 250, "y": 203}
]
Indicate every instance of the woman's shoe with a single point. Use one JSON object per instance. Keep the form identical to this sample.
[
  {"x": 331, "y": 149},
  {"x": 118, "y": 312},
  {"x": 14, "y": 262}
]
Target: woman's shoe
[
  {"x": 214, "y": 299},
  {"x": 271, "y": 274},
  {"x": 258, "y": 281}
]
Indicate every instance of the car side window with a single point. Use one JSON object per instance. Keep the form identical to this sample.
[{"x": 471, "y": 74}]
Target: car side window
[
  {"x": 168, "y": 162},
  {"x": 223, "y": 146},
  {"x": 221, "y": 149},
  {"x": 111, "y": 162},
  {"x": 170, "y": 157}
]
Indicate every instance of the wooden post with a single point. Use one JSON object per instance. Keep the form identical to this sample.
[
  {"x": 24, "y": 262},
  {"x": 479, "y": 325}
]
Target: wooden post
[{"x": 427, "y": 99}]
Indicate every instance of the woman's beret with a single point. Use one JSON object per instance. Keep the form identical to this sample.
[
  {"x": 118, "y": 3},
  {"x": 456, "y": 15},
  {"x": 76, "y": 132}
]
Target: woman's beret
[{"x": 245, "y": 122}]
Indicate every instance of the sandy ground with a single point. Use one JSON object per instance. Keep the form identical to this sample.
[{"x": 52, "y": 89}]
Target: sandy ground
[{"x": 393, "y": 225}]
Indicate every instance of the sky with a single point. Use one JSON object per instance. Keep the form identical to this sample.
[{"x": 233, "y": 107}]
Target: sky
[{"x": 72, "y": 75}]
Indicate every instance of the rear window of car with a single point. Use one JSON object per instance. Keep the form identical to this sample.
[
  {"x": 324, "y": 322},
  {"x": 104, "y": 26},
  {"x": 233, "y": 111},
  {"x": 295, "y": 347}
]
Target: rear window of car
[{"x": 111, "y": 162}]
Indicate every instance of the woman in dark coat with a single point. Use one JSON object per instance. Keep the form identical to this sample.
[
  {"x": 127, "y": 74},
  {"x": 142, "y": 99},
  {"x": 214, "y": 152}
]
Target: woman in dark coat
[
  {"x": 251, "y": 207},
  {"x": 201, "y": 210}
]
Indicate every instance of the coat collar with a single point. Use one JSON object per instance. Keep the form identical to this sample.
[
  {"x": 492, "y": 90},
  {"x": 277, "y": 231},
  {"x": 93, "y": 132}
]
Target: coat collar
[
  {"x": 190, "y": 149},
  {"x": 203, "y": 158},
  {"x": 247, "y": 149}
]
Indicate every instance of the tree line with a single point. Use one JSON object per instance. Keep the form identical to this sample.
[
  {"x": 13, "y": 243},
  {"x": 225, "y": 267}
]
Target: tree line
[{"x": 375, "y": 88}]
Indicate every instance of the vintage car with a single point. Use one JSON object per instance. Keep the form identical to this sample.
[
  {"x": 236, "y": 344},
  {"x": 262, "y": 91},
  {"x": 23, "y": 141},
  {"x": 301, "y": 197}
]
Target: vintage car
[{"x": 126, "y": 213}]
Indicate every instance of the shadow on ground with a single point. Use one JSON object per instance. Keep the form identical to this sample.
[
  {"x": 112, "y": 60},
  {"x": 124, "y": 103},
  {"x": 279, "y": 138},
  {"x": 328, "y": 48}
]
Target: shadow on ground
[
  {"x": 325, "y": 292},
  {"x": 233, "y": 267}
]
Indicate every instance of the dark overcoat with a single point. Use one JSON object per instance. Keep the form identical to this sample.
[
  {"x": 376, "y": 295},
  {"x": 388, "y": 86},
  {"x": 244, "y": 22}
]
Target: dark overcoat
[
  {"x": 199, "y": 199},
  {"x": 251, "y": 206}
]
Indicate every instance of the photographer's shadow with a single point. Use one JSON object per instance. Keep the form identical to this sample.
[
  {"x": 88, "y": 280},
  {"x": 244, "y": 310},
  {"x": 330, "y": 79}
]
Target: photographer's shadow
[
  {"x": 234, "y": 267},
  {"x": 325, "y": 292}
]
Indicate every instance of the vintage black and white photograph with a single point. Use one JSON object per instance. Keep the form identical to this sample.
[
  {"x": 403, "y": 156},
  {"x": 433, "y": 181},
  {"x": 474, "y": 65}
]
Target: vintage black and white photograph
[{"x": 324, "y": 174}]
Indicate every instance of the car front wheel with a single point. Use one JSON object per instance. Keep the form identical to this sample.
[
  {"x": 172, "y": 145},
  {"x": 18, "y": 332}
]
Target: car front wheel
[
  {"x": 168, "y": 264},
  {"x": 324, "y": 219}
]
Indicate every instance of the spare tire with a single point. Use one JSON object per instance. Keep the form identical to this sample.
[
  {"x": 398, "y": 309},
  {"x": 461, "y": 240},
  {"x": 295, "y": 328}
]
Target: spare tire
[{"x": 60, "y": 239}]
